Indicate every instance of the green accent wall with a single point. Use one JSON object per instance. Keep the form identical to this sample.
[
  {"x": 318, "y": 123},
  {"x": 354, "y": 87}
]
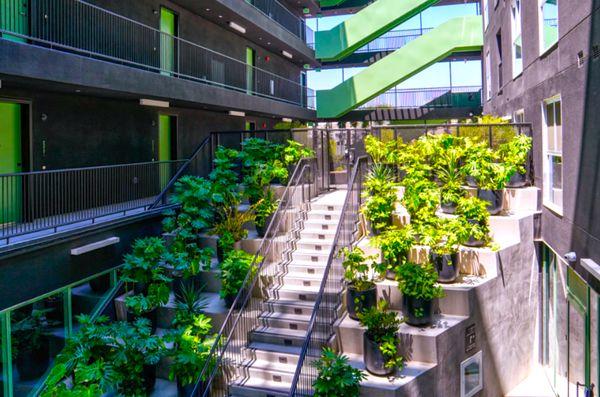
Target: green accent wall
[
  {"x": 168, "y": 25},
  {"x": 365, "y": 26},
  {"x": 10, "y": 161},
  {"x": 456, "y": 35},
  {"x": 164, "y": 138},
  {"x": 250, "y": 61},
  {"x": 14, "y": 17}
]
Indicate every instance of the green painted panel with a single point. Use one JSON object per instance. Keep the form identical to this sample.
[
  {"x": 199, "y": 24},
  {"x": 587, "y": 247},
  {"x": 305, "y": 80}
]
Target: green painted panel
[
  {"x": 10, "y": 161},
  {"x": 250, "y": 60},
  {"x": 168, "y": 21},
  {"x": 164, "y": 137},
  {"x": 14, "y": 17},
  {"x": 456, "y": 35},
  {"x": 365, "y": 26},
  {"x": 331, "y": 3}
]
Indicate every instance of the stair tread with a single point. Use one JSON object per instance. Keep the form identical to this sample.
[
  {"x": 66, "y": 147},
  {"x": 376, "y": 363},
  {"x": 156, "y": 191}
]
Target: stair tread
[
  {"x": 285, "y": 316},
  {"x": 295, "y": 302},
  {"x": 315, "y": 241},
  {"x": 269, "y": 366},
  {"x": 275, "y": 348},
  {"x": 263, "y": 384}
]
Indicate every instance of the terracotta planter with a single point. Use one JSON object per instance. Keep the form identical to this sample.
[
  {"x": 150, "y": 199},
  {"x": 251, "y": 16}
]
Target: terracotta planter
[
  {"x": 357, "y": 301},
  {"x": 446, "y": 265}
]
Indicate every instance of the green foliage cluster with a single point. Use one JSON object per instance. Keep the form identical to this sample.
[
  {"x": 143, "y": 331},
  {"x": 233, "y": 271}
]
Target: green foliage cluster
[
  {"x": 359, "y": 269},
  {"x": 382, "y": 328},
  {"x": 379, "y": 196},
  {"x": 238, "y": 265},
  {"x": 336, "y": 377},
  {"x": 474, "y": 218},
  {"x": 419, "y": 281},
  {"x": 395, "y": 245}
]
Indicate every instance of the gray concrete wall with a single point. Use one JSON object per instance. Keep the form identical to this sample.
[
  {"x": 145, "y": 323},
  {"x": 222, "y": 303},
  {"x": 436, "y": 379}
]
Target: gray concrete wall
[{"x": 557, "y": 72}]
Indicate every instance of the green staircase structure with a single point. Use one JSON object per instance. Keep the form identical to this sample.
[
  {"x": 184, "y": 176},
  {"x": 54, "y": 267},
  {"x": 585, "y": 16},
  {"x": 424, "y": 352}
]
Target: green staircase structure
[
  {"x": 463, "y": 34},
  {"x": 331, "y": 3}
]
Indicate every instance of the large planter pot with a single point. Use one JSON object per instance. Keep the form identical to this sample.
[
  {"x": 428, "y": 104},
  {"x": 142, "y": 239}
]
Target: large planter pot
[
  {"x": 100, "y": 284},
  {"x": 390, "y": 275},
  {"x": 374, "y": 359},
  {"x": 32, "y": 364},
  {"x": 184, "y": 391},
  {"x": 261, "y": 230},
  {"x": 517, "y": 180},
  {"x": 448, "y": 208},
  {"x": 446, "y": 265},
  {"x": 149, "y": 374},
  {"x": 357, "y": 301},
  {"x": 417, "y": 312},
  {"x": 471, "y": 241},
  {"x": 471, "y": 182},
  {"x": 151, "y": 316},
  {"x": 494, "y": 198}
]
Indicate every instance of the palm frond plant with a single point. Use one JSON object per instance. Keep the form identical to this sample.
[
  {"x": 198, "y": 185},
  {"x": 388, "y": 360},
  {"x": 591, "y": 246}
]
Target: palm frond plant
[{"x": 230, "y": 227}]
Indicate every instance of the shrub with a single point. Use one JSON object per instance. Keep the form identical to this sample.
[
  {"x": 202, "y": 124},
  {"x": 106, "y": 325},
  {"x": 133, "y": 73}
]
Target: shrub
[{"x": 336, "y": 377}]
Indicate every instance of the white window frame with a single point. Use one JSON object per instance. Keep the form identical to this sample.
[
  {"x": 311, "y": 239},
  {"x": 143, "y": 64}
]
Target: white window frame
[
  {"x": 488, "y": 76},
  {"x": 516, "y": 35},
  {"x": 519, "y": 116},
  {"x": 485, "y": 13},
  {"x": 547, "y": 183},
  {"x": 543, "y": 48}
]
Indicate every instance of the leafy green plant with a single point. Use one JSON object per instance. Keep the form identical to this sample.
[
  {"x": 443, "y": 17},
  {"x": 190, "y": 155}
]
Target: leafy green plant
[
  {"x": 189, "y": 302},
  {"x": 224, "y": 181},
  {"x": 336, "y": 377},
  {"x": 188, "y": 259},
  {"x": 419, "y": 281},
  {"x": 29, "y": 331},
  {"x": 379, "y": 196},
  {"x": 382, "y": 328},
  {"x": 474, "y": 218},
  {"x": 381, "y": 152},
  {"x": 259, "y": 176},
  {"x": 515, "y": 153},
  {"x": 142, "y": 264},
  {"x": 444, "y": 236},
  {"x": 157, "y": 295},
  {"x": 196, "y": 213},
  {"x": 359, "y": 269},
  {"x": 230, "y": 228},
  {"x": 421, "y": 196},
  {"x": 265, "y": 208},
  {"x": 295, "y": 151},
  {"x": 234, "y": 270},
  {"x": 395, "y": 245}
]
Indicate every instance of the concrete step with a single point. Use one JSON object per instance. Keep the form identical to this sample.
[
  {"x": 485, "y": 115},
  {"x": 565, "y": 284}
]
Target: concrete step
[
  {"x": 313, "y": 256},
  {"x": 319, "y": 245},
  {"x": 274, "y": 353},
  {"x": 320, "y": 215},
  {"x": 290, "y": 321},
  {"x": 326, "y": 206},
  {"x": 294, "y": 306},
  {"x": 257, "y": 387},
  {"x": 298, "y": 293},
  {"x": 301, "y": 279}
]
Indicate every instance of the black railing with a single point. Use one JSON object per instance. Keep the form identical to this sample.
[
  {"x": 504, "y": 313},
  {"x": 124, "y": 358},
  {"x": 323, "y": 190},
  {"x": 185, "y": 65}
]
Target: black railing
[
  {"x": 325, "y": 313},
  {"x": 78, "y": 27},
  {"x": 280, "y": 14},
  {"x": 439, "y": 97},
  {"x": 228, "y": 357},
  {"x": 50, "y": 201}
]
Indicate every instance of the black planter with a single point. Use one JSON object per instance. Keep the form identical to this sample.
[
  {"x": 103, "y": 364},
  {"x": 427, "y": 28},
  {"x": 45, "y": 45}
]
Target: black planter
[
  {"x": 357, "y": 301},
  {"x": 472, "y": 242},
  {"x": 32, "y": 364},
  {"x": 151, "y": 316},
  {"x": 100, "y": 284},
  {"x": 494, "y": 198},
  {"x": 517, "y": 180},
  {"x": 377, "y": 231},
  {"x": 221, "y": 254},
  {"x": 374, "y": 360},
  {"x": 417, "y": 312},
  {"x": 446, "y": 266},
  {"x": 448, "y": 208},
  {"x": 55, "y": 306},
  {"x": 471, "y": 182},
  {"x": 184, "y": 391},
  {"x": 390, "y": 275},
  {"x": 140, "y": 288},
  {"x": 261, "y": 230},
  {"x": 149, "y": 374}
]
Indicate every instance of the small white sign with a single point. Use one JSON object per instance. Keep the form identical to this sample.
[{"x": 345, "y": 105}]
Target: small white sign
[{"x": 471, "y": 375}]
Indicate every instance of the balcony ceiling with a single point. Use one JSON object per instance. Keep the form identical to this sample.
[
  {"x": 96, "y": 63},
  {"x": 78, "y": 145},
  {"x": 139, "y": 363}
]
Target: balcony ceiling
[
  {"x": 269, "y": 35},
  {"x": 353, "y": 6}
]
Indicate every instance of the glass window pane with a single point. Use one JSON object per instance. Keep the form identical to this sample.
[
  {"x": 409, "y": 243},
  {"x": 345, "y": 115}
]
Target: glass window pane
[
  {"x": 557, "y": 107},
  {"x": 550, "y": 23},
  {"x": 550, "y": 126},
  {"x": 556, "y": 187}
]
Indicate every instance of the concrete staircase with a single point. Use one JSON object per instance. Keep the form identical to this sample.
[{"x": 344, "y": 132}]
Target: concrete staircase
[{"x": 274, "y": 346}]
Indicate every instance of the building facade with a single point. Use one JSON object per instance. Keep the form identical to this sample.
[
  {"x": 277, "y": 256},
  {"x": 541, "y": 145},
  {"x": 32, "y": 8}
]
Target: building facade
[{"x": 541, "y": 66}]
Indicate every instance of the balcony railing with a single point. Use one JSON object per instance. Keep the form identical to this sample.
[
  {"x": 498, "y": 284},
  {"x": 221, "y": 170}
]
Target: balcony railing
[
  {"x": 284, "y": 17},
  {"x": 78, "y": 27},
  {"x": 440, "y": 97},
  {"x": 393, "y": 40}
]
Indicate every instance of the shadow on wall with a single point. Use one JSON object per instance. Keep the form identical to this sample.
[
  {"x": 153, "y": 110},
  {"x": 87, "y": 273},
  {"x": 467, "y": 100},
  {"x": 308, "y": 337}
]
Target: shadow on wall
[{"x": 585, "y": 233}]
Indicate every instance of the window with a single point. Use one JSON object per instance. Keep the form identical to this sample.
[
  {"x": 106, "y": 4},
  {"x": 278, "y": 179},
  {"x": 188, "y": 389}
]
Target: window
[
  {"x": 517, "y": 45},
  {"x": 499, "y": 67},
  {"x": 484, "y": 7},
  {"x": 519, "y": 116},
  {"x": 552, "y": 142},
  {"x": 488, "y": 76},
  {"x": 548, "y": 24}
]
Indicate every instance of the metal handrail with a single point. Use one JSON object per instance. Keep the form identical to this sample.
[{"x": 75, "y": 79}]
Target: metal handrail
[
  {"x": 77, "y": 26},
  {"x": 234, "y": 320},
  {"x": 431, "y": 97},
  {"x": 332, "y": 281},
  {"x": 393, "y": 40},
  {"x": 279, "y": 13}
]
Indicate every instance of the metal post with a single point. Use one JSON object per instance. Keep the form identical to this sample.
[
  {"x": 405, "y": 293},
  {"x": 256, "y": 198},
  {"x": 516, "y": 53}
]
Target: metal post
[{"x": 6, "y": 354}]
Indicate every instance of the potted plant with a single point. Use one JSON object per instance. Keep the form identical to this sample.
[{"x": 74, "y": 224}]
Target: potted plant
[
  {"x": 491, "y": 182},
  {"x": 264, "y": 211},
  {"x": 293, "y": 152},
  {"x": 360, "y": 276},
  {"x": 379, "y": 198},
  {"x": 443, "y": 239},
  {"x": 186, "y": 261},
  {"x": 335, "y": 376},
  {"x": 380, "y": 340},
  {"x": 418, "y": 286},
  {"x": 450, "y": 177},
  {"x": 192, "y": 341},
  {"x": 421, "y": 196},
  {"x": 141, "y": 266},
  {"x": 477, "y": 156},
  {"x": 230, "y": 228},
  {"x": 145, "y": 305},
  {"x": 237, "y": 266},
  {"x": 515, "y": 154},
  {"x": 474, "y": 219},
  {"x": 31, "y": 345},
  {"x": 395, "y": 245}
]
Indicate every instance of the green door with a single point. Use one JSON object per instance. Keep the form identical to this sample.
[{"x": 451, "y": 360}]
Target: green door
[
  {"x": 168, "y": 28},
  {"x": 165, "y": 147},
  {"x": 14, "y": 17},
  {"x": 250, "y": 61},
  {"x": 10, "y": 162}
]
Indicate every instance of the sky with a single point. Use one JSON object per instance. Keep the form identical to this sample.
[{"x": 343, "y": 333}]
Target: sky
[{"x": 438, "y": 75}]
